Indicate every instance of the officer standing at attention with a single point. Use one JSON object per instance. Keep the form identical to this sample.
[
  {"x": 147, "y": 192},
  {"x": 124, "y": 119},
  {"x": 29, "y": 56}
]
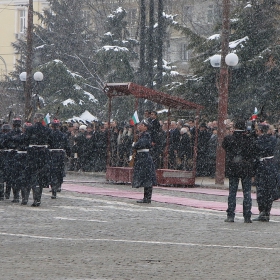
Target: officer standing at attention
[
  {"x": 266, "y": 172},
  {"x": 144, "y": 170},
  {"x": 38, "y": 158},
  {"x": 240, "y": 157},
  {"x": 59, "y": 144}
]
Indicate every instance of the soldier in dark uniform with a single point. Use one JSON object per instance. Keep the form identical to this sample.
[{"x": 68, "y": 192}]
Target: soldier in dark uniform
[
  {"x": 38, "y": 157},
  {"x": 240, "y": 157},
  {"x": 22, "y": 165},
  {"x": 2, "y": 161},
  {"x": 6, "y": 157},
  {"x": 12, "y": 145},
  {"x": 59, "y": 145},
  {"x": 144, "y": 170},
  {"x": 266, "y": 178}
]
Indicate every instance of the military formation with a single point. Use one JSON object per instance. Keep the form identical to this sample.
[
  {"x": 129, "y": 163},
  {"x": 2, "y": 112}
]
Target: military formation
[{"x": 32, "y": 157}]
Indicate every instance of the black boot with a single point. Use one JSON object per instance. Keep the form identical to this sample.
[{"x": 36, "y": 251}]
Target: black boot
[
  {"x": 37, "y": 194},
  {"x": 147, "y": 196},
  {"x": 144, "y": 200},
  {"x": 25, "y": 195},
  {"x": 36, "y": 203},
  {"x": 1, "y": 191},
  {"x": 247, "y": 220},
  {"x": 16, "y": 195},
  {"x": 8, "y": 191},
  {"x": 263, "y": 217},
  {"x": 53, "y": 194},
  {"x": 229, "y": 219}
]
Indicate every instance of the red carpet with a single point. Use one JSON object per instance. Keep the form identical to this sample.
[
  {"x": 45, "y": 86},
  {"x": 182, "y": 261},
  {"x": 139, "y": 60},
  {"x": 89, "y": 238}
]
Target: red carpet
[
  {"x": 214, "y": 205},
  {"x": 206, "y": 191}
]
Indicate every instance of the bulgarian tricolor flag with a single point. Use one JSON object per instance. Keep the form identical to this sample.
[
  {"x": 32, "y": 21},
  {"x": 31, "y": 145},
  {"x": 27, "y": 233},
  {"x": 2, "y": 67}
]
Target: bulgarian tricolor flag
[
  {"x": 134, "y": 120},
  {"x": 47, "y": 119},
  {"x": 255, "y": 115}
]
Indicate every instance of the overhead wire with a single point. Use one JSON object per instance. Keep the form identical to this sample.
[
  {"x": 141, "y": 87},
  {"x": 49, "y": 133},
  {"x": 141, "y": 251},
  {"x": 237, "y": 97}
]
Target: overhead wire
[{"x": 5, "y": 7}]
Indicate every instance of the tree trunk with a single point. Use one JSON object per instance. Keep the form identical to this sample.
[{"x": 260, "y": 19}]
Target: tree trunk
[{"x": 150, "y": 45}]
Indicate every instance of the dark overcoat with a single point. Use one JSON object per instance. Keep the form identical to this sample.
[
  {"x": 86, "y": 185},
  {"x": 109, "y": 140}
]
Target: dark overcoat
[
  {"x": 59, "y": 146},
  {"x": 144, "y": 170},
  {"x": 267, "y": 175},
  {"x": 240, "y": 154},
  {"x": 38, "y": 158}
]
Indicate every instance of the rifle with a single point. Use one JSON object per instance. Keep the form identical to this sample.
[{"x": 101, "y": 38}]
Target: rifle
[
  {"x": 262, "y": 115},
  {"x": 57, "y": 113},
  {"x": 135, "y": 138},
  {"x": 9, "y": 117}
]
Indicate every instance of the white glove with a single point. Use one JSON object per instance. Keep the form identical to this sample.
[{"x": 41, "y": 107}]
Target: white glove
[
  {"x": 130, "y": 158},
  {"x": 133, "y": 144}
]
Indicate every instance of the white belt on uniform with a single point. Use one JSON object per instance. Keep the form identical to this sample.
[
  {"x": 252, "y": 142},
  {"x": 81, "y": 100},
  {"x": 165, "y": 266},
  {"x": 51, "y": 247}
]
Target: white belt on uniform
[
  {"x": 22, "y": 152},
  {"x": 41, "y": 146},
  {"x": 143, "y": 150},
  {"x": 56, "y": 149},
  {"x": 264, "y": 158}
]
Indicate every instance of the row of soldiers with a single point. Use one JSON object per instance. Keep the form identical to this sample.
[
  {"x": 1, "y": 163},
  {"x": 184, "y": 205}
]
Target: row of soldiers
[{"x": 32, "y": 157}]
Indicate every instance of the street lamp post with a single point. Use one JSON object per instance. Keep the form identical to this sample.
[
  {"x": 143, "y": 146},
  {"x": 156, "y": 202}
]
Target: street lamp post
[
  {"x": 230, "y": 59},
  {"x": 223, "y": 95},
  {"x": 36, "y": 99},
  {"x": 223, "y": 61}
]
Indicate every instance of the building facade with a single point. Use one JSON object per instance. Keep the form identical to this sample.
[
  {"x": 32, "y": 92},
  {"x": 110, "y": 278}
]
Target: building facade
[
  {"x": 13, "y": 23},
  {"x": 199, "y": 15}
]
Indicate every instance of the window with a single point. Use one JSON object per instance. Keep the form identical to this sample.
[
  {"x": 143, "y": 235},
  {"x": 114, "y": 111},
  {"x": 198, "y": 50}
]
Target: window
[
  {"x": 210, "y": 14},
  {"x": 213, "y": 14},
  {"x": 86, "y": 15},
  {"x": 184, "y": 52},
  {"x": 22, "y": 21},
  {"x": 132, "y": 17}
]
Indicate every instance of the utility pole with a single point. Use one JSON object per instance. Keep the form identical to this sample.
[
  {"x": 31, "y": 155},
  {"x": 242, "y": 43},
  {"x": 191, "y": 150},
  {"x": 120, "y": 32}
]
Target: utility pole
[
  {"x": 223, "y": 95},
  {"x": 142, "y": 52},
  {"x": 142, "y": 42},
  {"x": 28, "y": 86},
  {"x": 160, "y": 44}
]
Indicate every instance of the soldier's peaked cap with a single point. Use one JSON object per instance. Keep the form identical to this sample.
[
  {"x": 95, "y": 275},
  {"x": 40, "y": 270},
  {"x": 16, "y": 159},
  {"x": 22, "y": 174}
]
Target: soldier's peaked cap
[
  {"x": 6, "y": 127},
  {"x": 26, "y": 124},
  {"x": 146, "y": 123},
  {"x": 56, "y": 122},
  {"x": 17, "y": 121}
]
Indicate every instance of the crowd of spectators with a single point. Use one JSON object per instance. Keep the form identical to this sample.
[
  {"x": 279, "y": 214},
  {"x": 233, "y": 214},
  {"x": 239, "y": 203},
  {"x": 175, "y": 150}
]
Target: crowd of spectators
[{"x": 89, "y": 144}]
